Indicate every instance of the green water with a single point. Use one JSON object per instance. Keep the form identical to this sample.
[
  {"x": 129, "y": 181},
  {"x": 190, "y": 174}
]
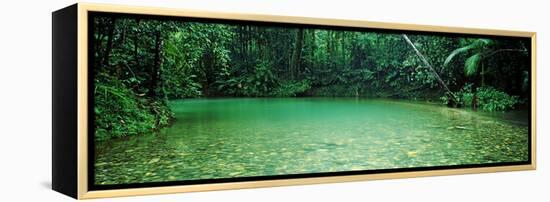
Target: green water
[{"x": 223, "y": 138}]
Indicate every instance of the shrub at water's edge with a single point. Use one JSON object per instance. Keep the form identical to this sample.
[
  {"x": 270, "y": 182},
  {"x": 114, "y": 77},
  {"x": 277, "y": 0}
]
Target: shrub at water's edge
[
  {"x": 120, "y": 112},
  {"x": 491, "y": 99},
  {"x": 485, "y": 98}
]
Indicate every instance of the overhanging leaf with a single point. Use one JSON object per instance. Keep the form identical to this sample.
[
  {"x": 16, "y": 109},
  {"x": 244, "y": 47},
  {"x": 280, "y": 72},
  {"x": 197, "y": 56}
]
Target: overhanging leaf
[
  {"x": 456, "y": 52},
  {"x": 471, "y": 64}
]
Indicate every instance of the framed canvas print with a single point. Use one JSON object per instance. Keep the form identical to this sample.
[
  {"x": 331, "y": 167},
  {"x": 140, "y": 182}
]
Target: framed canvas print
[{"x": 157, "y": 100}]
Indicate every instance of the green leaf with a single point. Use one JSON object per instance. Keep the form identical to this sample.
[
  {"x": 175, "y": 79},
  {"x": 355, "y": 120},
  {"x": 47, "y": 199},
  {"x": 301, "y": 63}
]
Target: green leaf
[
  {"x": 456, "y": 52},
  {"x": 471, "y": 64},
  {"x": 485, "y": 42},
  {"x": 477, "y": 45}
]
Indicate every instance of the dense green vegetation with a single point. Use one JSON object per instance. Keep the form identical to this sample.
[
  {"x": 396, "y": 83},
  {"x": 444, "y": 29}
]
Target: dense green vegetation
[{"x": 139, "y": 64}]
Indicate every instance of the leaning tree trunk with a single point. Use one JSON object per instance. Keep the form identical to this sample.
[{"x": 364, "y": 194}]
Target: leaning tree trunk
[{"x": 425, "y": 61}]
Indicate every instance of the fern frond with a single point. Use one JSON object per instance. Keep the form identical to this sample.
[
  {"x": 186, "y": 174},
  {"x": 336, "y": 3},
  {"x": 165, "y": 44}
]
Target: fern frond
[
  {"x": 456, "y": 52},
  {"x": 471, "y": 64},
  {"x": 476, "y": 45}
]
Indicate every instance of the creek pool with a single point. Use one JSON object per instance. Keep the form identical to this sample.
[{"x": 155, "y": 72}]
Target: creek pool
[{"x": 224, "y": 138}]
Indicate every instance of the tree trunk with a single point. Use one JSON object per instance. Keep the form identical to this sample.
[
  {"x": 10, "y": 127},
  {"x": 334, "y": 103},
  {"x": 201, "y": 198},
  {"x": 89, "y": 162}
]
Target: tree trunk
[
  {"x": 312, "y": 50},
  {"x": 295, "y": 66},
  {"x": 343, "y": 50},
  {"x": 98, "y": 41},
  {"x": 156, "y": 65},
  {"x": 425, "y": 61},
  {"x": 109, "y": 47},
  {"x": 136, "y": 44},
  {"x": 482, "y": 73},
  {"x": 242, "y": 47}
]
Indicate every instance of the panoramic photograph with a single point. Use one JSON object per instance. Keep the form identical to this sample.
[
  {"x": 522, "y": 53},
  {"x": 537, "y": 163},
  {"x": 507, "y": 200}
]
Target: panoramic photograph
[{"x": 188, "y": 99}]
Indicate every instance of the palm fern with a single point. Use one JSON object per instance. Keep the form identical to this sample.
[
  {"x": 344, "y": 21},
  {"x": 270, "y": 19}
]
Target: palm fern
[
  {"x": 479, "y": 47},
  {"x": 471, "y": 64}
]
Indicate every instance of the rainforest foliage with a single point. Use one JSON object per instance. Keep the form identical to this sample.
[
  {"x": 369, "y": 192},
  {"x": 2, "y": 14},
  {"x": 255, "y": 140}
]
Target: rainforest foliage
[{"x": 139, "y": 64}]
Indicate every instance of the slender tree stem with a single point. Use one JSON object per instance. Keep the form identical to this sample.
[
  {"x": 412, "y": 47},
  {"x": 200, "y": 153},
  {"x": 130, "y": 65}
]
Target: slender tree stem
[{"x": 425, "y": 61}]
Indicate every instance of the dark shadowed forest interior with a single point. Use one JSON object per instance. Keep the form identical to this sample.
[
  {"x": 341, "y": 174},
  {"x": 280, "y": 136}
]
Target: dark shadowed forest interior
[{"x": 139, "y": 64}]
